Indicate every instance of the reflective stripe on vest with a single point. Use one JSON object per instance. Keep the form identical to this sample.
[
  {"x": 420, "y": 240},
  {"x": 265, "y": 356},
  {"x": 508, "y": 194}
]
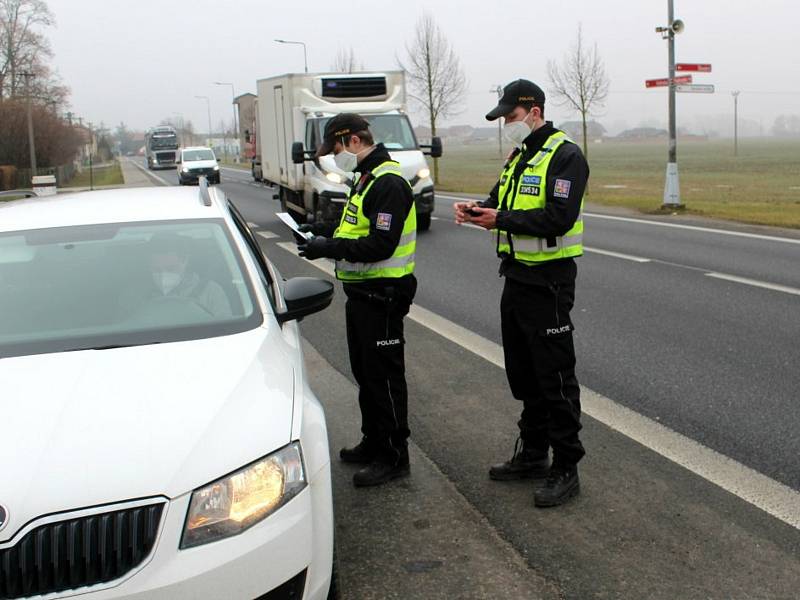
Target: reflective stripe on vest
[
  {"x": 354, "y": 224},
  {"x": 529, "y": 192}
]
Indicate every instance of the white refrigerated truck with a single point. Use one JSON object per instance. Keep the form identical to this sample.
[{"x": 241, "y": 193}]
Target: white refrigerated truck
[{"x": 292, "y": 112}]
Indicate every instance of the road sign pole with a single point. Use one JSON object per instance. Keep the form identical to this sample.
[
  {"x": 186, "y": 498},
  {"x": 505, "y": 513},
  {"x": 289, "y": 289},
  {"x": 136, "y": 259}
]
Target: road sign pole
[{"x": 672, "y": 193}]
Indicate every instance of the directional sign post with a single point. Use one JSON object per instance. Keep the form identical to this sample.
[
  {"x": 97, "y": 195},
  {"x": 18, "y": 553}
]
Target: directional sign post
[
  {"x": 696, "y": 67},
  {"x": 695, "y": 89},
  {"x": 664, "y": 82}
]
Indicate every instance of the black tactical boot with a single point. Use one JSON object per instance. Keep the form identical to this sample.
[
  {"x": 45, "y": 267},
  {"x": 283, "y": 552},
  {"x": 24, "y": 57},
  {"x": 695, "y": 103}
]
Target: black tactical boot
[
  {"x": 526, "y": 463},
  {"x": 360, "y": 454},
  {"x": 562, "y": 484},
  {"x": 381, "y": 470}
]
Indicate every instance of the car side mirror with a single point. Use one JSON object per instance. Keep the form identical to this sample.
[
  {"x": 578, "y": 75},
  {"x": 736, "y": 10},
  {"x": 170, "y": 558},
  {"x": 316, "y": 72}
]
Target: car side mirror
[
  {"x": 434, "y": 149},
  {"x": 304, "y": 296}
]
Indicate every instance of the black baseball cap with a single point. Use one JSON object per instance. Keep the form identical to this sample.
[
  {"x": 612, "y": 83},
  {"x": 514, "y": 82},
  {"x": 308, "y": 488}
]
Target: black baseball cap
[
  {"x": 515, "y": 94},
  {"x": 338, "y": 127}
]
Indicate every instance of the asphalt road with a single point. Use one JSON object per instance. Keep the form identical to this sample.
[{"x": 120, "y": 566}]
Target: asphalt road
[{"x": 712, "y": 358}]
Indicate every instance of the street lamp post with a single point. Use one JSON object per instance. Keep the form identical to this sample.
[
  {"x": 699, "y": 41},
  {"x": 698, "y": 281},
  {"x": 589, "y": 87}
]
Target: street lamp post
[
  {"x": 233, "y": 108},
  {"x": 735, "y": 122},
  {"x": 305, "y": 54},
  {"x": 208, "y": 106}
]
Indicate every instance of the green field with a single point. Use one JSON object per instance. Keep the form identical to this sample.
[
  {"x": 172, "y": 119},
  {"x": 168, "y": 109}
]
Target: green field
[
  {"x": 761, "y": 185},
  {"x": 100, "y": 176}
]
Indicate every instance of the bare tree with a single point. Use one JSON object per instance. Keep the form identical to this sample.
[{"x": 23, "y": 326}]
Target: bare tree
[
  {"x": 22, "y": 47},
  {"x": 435, "y": 76},
  {"x": 346, "y": 62},
  {"x": 580, "y": 82}
]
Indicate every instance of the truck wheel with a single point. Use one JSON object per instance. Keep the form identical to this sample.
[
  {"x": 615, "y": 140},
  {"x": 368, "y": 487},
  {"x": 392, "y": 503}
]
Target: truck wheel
[{"x": 423, "y": 222}]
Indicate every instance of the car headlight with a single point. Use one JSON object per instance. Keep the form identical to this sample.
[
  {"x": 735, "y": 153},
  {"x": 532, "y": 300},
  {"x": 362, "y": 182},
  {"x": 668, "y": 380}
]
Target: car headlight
[
  {"x": 238, "y": 501},
  {"x": 216, "y": 167},
  {"x": 334, "y": 177},
  {"x": 424, "y": 172},
  {"x": 185, "y": 169}
]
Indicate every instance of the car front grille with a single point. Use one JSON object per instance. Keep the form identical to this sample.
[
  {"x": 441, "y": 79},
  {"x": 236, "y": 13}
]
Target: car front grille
[
  {"x": 79, "y": 552},
  {"x": 289, "y": 590},
  {"x": 204, "y": 171}
]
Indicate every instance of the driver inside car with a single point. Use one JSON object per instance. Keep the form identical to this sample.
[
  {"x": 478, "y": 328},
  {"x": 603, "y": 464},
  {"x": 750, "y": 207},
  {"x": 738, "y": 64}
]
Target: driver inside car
[{"x": 171, "y": 277}]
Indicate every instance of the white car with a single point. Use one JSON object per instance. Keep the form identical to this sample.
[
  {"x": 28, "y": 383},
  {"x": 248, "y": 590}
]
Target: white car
[
  {"x": 158, "y": 436},
  {"x": 196, "y": 162}
]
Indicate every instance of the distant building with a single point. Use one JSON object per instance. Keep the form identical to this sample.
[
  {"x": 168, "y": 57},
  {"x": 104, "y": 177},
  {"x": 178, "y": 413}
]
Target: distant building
[
  {"x": 574, "y": 129},
  {"x": 246, "y": 107}
]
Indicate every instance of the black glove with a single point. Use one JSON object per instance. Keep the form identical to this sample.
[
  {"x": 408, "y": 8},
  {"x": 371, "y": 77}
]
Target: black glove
[
  {"x": 316, "y": 247},
  {"x": 313, "y": 228}
]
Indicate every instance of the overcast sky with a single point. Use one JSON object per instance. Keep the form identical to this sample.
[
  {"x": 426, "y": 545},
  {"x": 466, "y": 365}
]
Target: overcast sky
[{"x": 141, "y": 61}]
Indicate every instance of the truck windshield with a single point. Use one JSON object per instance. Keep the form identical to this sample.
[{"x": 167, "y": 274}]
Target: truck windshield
[
  {"x": 168, "y": 141},
  {"x": 393, "y": 131},
  {"x": 126, "y": 284}
]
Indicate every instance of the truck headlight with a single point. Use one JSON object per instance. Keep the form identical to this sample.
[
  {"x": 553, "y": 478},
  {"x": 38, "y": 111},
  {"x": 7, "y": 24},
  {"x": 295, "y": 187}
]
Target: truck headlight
[
  {"x": 334, "y": 177},
  {"x": 424, "y": 173},
  {"x": 238, "y": 501}
]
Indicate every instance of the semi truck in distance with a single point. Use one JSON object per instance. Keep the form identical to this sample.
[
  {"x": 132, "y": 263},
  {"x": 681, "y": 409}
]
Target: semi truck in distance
[
  {"x": 291, "y": 114},
  {"x": 161, "y": 147}
]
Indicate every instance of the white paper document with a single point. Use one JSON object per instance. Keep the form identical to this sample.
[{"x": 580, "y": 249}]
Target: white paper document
[{"x": 292, "y": 224}]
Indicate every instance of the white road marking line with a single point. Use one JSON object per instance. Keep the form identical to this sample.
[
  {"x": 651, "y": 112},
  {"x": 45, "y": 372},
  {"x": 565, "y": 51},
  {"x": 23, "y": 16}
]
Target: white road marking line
[
  {"x": 252, "y": 225},
  {"x": 754, "y": 282},
  {"x": 773, "y": 497},
  {"x": 638, "y": 259},
  {"x": 756, "y": 236},
  {"x": 267, "y": 235},
  {"x": 148, "y": 173}
]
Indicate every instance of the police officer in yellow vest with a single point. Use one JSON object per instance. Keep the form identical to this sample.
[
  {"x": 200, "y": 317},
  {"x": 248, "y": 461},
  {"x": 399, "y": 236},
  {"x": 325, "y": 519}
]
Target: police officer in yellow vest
[
  {"x": 535, "y": 208},
  {"x": 374, "y": 247}
]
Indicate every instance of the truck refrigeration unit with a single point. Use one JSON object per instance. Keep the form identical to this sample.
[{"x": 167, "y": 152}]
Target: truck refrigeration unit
[
  {"x": 161, "y": 147},
  {"x": 292, "y": 112}
]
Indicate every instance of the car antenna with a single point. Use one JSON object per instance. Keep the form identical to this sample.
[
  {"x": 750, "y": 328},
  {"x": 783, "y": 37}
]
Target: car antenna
[{"x": 205, "y": 194}]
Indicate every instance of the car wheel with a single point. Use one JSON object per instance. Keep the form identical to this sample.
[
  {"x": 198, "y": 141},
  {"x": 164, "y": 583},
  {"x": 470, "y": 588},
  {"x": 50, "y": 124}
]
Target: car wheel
[{"x": 423, "y": 222}]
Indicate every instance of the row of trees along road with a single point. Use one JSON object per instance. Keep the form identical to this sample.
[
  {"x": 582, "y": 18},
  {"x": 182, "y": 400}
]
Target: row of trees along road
[{"x": 25, "y": 74}]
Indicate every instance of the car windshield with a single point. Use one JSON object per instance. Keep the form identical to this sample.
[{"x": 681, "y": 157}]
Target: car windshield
[
  {"x": 192, "y": 155},
  {"x": 104, "y": 286},
  {"x": 393, "y": 131}
]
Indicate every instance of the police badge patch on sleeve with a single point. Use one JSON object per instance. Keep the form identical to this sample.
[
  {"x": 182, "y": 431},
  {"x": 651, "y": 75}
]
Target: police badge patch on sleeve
[
  {"x": 561, "y": 188},
  {"x": 384, "y": 221}
]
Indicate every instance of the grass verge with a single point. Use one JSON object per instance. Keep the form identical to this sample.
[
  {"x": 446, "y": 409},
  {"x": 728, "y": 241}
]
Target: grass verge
[
  {"x": 109, "y": 175},
  {"x": 760, "y": 186}
]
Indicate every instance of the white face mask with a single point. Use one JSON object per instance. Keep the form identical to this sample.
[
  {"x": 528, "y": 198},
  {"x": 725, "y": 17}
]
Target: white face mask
[
  {"x": 346, "y": 161},
  {"x": 516, "y": 132},
  {"x": 166, "y": 281}
]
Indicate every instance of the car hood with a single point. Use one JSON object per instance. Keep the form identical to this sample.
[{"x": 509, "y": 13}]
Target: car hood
[
  {"x": 199, "y": 164},
  {"x": 101, "y": 426}
]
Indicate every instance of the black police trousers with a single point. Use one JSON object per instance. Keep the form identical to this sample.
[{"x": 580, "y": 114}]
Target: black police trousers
[
  {"x": 377, "y": 358},
  {"x": 540, "y": 366}
]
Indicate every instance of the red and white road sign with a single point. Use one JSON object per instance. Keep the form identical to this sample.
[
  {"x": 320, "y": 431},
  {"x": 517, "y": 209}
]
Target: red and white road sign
[
  {"x": 682, "y": 79},
  {"x": 697, "y": 67}
]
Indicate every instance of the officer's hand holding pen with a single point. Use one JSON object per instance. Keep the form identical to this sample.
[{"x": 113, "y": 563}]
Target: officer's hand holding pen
[{"x": 314, "y": 248}]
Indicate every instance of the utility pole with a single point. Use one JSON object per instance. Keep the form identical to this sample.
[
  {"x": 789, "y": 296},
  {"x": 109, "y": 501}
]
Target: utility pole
[
  {"x": 672, "y": 192},
  {"x": 499, "y": 91},
  {"x": 735, "y": 122},
  {"x": 31, "y": 143}
]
